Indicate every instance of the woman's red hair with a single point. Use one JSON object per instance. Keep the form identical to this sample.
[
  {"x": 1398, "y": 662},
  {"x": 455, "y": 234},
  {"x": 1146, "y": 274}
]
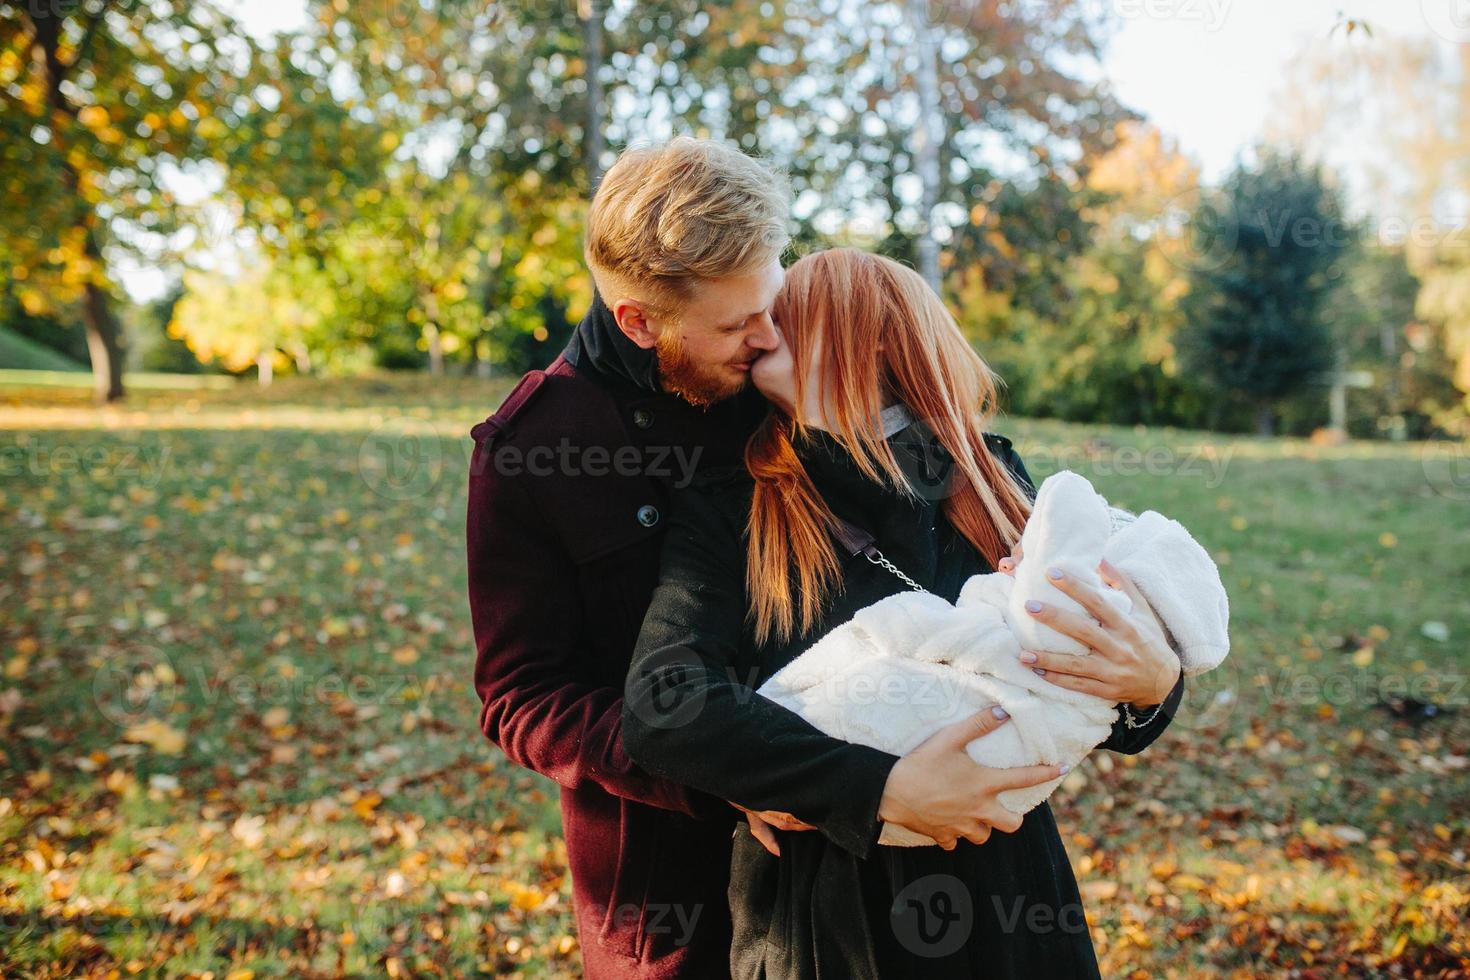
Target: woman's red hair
[{"x": 884, "y": 336}]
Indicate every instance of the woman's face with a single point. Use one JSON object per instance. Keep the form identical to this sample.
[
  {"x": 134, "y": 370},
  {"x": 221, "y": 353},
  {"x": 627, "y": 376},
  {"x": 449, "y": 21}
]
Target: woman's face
[{"x": 775, "y": 375}]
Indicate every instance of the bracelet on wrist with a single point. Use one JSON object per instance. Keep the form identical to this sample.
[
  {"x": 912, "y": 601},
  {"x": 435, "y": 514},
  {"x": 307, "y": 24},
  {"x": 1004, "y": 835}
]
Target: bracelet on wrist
[{"x": 1133, "y": 722}]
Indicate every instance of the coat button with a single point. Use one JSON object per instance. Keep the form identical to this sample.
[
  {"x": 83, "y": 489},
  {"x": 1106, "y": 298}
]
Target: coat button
[
  {"x": 643, "y": 418},
  {"x": 648, "y": 515}
]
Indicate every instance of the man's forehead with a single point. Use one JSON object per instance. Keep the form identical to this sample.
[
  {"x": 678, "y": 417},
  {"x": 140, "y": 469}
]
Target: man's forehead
[{"x": 742, "y": 296}]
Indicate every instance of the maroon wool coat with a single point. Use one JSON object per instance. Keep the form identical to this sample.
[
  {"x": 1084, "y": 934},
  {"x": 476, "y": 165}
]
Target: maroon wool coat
[{"x": 571, "y": 481}]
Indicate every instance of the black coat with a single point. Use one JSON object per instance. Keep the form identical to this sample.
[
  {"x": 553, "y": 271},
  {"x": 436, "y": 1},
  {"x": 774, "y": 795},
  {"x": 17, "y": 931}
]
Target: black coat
[{"x": 836, "y": 903}]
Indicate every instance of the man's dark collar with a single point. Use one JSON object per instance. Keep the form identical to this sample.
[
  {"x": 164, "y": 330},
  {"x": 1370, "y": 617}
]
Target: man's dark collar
[{"x": 599, "y": 347}]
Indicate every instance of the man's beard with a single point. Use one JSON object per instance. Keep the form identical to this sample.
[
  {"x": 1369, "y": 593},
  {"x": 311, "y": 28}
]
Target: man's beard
[{"x": 697, "y": 384}]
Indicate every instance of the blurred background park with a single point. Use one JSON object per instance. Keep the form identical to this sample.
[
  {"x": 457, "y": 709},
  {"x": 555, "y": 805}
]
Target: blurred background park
[{"x": 265, "y": 263}]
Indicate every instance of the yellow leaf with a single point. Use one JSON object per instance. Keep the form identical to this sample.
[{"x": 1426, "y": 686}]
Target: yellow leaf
[
  {"x": 366, "y": 804},
  {"x": 93, "y": 117},
  {"x": 161, "y": 736}
]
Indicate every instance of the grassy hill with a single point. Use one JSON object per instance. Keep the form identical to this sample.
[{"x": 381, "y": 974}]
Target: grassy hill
[{"x": 19, "y": 352}]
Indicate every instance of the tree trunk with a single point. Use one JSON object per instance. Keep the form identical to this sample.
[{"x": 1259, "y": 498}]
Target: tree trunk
[
  {"x": 104, "y": 343},
  {"x": 591, "y": 12},
  {"x": 265, "y": 365},
  {"x": 1265, "y": 421},
  {"x": 436, "y": 349},
  {"x": 302, "y": 356},
  {"x": 928, "y": 132},
  {"x": 104, "y": 338},
  {"x": 483, "y": 367}
]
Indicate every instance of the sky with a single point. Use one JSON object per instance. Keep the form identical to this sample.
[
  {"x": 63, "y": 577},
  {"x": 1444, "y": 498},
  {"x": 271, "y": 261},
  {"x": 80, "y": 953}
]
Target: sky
[{"x": 1204, "y": 71}]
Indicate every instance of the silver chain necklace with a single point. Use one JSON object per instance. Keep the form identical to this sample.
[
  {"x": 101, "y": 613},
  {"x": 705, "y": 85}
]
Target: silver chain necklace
[{"x": 877, "y": 557}]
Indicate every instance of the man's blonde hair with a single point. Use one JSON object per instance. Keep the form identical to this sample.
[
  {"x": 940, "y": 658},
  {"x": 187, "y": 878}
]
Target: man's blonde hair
[{"x": 666, "y": 217}]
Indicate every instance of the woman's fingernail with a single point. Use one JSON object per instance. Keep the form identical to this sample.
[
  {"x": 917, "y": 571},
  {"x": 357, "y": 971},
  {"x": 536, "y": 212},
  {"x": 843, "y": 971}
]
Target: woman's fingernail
[
  {"x": 1053, "y": 572},
  {"x": 1039, "y": 670},
  {"x": 1033, "y": 606},
  {"x": 1000, "y": 712},
  {"x": 1027, "y": 657},
  {"x": 1066, "y": 769}
]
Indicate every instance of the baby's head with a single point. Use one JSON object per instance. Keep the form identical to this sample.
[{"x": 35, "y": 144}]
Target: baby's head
[{"x": 1070, "y": 523}]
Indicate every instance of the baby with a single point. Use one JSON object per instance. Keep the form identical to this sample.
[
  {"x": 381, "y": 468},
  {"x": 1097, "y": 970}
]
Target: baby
[{"x": 904, "y": 667}]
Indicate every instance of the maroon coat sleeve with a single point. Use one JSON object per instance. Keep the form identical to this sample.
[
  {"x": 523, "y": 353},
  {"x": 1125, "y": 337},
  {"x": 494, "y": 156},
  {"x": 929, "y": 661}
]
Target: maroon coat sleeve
[{"x": 538, "y": 705}]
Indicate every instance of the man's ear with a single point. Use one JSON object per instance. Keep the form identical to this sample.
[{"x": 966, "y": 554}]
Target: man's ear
[{"x": 633, "y": 321}]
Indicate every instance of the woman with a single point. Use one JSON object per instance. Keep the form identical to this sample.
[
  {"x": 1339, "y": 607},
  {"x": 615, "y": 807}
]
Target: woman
[{"x": 752, "y": 575}]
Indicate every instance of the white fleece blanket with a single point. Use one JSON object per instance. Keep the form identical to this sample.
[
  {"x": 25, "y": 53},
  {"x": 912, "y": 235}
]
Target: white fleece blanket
[{"x": 905, "y": 666}]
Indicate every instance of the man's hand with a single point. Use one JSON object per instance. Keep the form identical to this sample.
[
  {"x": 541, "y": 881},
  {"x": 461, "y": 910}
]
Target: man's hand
[
  {"x": 765, "y": 823},
  {"x": 937, "y": 790}
]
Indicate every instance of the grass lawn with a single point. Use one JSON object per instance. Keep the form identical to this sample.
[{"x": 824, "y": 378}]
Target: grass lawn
[{"x": 238, "y": 736}]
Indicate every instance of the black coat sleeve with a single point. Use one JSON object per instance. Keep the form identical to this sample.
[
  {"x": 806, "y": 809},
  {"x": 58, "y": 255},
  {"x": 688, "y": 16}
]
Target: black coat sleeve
[
  {"x": 691, "y": 714},
  {"x": 1128, "y": 741},
  {"x": 1131, "y": 741}
]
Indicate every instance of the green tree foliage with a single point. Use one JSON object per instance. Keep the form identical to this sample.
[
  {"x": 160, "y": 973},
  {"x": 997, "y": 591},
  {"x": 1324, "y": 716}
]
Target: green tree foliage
[
  {"x": 1412, "y": 389},
  {"x": 1269, "y": 257},
  {"x": 100, "y": 100}
]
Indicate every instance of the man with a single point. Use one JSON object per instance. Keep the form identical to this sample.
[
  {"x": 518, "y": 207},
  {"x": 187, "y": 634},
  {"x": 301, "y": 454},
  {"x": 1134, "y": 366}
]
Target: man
[{"x": 571, "y": 481}]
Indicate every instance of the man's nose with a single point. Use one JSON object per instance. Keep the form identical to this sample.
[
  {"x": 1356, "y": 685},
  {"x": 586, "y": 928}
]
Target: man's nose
[{"x": 765, "y": 335}]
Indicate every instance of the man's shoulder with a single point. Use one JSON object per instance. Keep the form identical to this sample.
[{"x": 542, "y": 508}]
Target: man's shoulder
[{"x": 544, "y": 403}]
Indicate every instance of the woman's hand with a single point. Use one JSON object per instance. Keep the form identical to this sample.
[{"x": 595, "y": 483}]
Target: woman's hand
[
  {"x": 1131, "y": 660},
  {"x": 765, "y": 823},
  {"x": 937, "y": 790}
]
